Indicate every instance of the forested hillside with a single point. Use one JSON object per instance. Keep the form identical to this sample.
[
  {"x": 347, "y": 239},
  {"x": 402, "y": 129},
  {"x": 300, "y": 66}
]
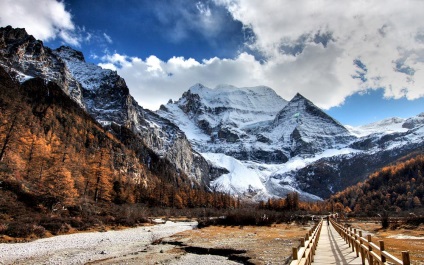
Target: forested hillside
[
  {"x": 53, "y": 155},
  {"x": 394, "y": 188}
]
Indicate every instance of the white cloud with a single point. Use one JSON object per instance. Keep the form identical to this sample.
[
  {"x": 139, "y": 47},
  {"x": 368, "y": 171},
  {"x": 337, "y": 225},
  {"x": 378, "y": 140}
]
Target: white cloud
[
  {"x": 153, "y": 81},
  {"x": 107, "y": 38},
  {"x": 44, "y": 19},
  {"x": 386, "y": 36}
]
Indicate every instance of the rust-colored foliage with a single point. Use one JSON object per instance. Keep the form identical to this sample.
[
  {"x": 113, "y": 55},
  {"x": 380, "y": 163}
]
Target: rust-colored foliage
[{"x": 395, "y": 188}]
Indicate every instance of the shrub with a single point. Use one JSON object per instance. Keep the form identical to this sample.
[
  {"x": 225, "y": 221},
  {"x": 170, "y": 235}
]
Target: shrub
[
  {"x": 55, "y": 225},
  {"x": 38, "y": 230},
  {"x": 415, "y": 220},
  {"x": 3, "y": 228},
  {"x": 18, "y": 229},
  {"x": 243, "y": 217}
]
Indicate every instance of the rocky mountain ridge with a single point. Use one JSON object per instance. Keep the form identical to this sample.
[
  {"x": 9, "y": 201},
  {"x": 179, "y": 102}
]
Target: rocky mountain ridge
[{"x": 103, "y": 94}]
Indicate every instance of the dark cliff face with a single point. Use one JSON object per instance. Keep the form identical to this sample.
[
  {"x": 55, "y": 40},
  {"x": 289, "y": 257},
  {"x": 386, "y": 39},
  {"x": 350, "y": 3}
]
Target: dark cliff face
[
  {"x": 25, "y": 57},
  {"x": 103, "y": 94}
]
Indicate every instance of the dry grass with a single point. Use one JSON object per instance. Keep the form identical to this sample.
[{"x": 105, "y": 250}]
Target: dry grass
[
  {"x": 263, "y": 245},
  {"x": 396, "y": 245}
]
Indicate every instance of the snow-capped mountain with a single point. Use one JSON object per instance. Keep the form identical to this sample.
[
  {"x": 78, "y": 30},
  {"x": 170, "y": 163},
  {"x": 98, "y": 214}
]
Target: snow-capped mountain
[
  {"x": 226, "y": 120},
  {"x": 253, "y": 124},
  {"x": 253, "y": 132},
  {"x": 330, "y": 174},
  {"x": 271, "y": 147}
]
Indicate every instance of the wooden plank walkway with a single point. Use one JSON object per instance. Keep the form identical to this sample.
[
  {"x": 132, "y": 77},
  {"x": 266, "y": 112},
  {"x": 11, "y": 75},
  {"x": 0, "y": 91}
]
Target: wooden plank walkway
[{"x": 332, "y": 249}]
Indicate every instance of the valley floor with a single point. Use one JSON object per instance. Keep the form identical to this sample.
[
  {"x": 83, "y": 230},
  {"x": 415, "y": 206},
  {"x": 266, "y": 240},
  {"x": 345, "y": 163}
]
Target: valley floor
[
  {"x": 169, "y": 243},
  {"x": 175, "y": 243}
]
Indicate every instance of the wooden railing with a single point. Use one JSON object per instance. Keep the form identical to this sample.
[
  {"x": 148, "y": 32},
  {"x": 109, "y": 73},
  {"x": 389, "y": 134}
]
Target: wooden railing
[
  {"x": 368, "y": 250},
  {"x": 304, "y": 254}
]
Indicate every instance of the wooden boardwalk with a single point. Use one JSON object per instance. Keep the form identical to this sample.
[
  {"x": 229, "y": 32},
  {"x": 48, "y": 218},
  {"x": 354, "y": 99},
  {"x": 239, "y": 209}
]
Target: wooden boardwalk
[{"x": 332, "y": 249}]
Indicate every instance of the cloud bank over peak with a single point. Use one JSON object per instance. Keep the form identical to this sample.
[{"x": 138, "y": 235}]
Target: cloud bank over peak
[
  {"x": 44, "y": 19},
  {"x": 327, "y": 50},
  {"x": 386, "y": 37}
]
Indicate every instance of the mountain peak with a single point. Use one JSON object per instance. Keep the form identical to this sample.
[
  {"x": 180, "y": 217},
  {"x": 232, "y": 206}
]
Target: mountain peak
[
  {"x": 299, "y": 105},
  {"x": 307, "y": 128},
  {"x": 10, "y": 34},
  {"x": 68, "y": 53},
  {"x": 298, "y": 97}
]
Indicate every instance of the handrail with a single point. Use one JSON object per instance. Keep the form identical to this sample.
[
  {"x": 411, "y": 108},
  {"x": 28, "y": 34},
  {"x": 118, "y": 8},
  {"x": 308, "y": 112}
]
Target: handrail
[
  {"x": 368, "y": 250},
  {"x": 304, "y": 254}
]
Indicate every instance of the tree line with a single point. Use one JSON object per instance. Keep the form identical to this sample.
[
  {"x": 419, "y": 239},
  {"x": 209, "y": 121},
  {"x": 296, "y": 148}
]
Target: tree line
[{"x": 394, "y": 188}]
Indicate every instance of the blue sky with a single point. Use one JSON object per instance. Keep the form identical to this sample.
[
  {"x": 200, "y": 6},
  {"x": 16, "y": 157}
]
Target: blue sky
[{"x": 361, "y": 61}]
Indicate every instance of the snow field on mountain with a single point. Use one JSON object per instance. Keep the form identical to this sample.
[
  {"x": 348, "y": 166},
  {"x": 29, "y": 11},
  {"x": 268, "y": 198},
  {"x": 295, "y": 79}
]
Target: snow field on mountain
[
  {"x": 387, "y": 126},
  {"x": 250, "y": 176},
  {"x": 240, "y": 178},
  {"x": 391, "y": 125}
]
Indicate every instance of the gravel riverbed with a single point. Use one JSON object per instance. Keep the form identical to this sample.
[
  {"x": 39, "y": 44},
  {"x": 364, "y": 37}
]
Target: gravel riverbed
[{"x": 91, "y": 247}]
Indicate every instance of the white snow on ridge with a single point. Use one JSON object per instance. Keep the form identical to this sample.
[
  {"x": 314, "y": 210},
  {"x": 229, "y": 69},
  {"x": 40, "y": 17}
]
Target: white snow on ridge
[
  {"x": 179, "y": 118},
  {"x": 19, "y": 75},
  {"x": 245, "y": 98},
  {"x": 244, "y": 106},
  {"x": 297, "y": 162},
  {"x": 386, "y": 126},
  {"x": 89, "y": 75}
]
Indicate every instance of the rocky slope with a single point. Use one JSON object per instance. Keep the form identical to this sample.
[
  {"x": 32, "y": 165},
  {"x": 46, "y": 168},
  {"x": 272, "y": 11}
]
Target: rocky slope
[{"x": 103, "y": 94}]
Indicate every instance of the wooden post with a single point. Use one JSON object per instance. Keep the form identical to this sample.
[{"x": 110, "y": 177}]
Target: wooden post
[
  {"x": 383, "y": 258},
  {"x": 351, "y": 240},
  {"x": 302, "y": 242},
  {"x": 356, "y": 243},
  {"x": 295, "y": 253},
  {"x": 405, "y": 258},
  {"x": 360, "y": 248},
  {"x": 370, "y": 257}
]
